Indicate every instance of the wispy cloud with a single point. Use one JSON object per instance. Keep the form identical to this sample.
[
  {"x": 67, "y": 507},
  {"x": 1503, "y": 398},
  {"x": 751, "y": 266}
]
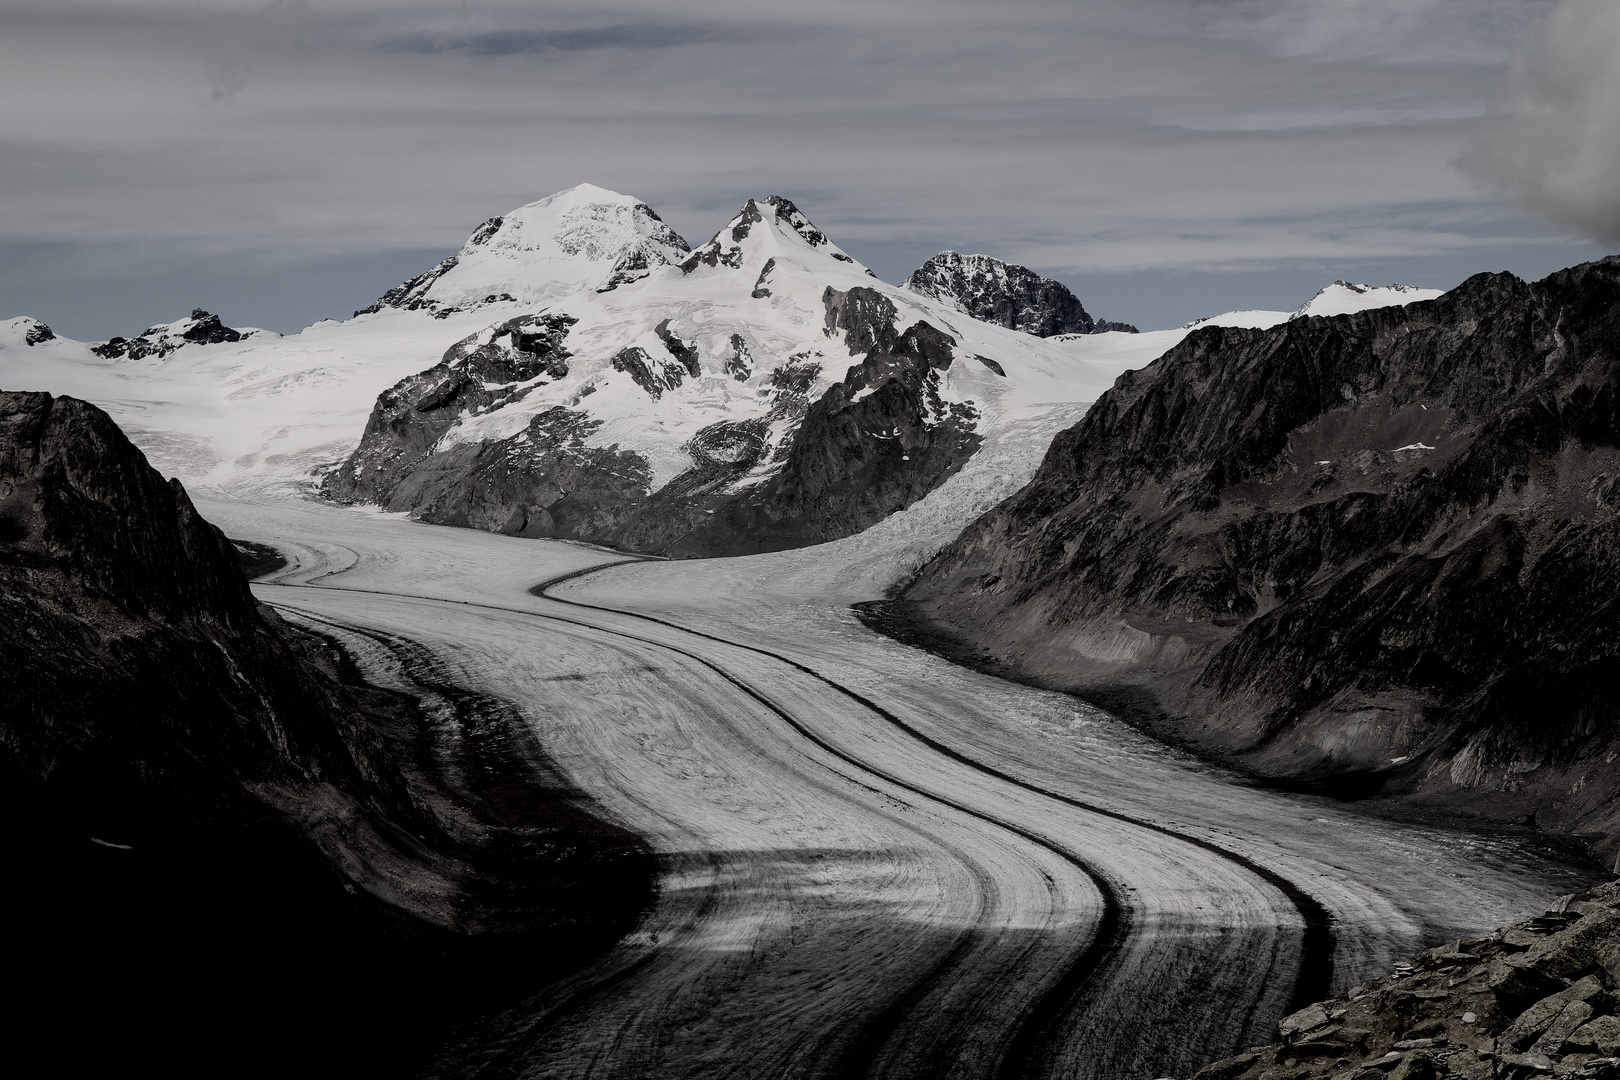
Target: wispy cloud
[{"x": 1395, "y": 33}]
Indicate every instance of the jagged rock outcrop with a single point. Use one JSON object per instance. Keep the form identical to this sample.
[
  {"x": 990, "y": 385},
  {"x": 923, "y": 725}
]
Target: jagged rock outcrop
[
  {"x": 1006, "y": 294},
  {"x": 1538, "y": 998},
  {"x": 200, "y": 328},
  {"x": 725, "y": 247},
  {"x": 1376, "y": 552},
  {"x": 212, "y": 813}
]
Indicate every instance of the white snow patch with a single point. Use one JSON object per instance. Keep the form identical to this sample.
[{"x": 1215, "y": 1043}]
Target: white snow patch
[{"x": 1344, "y": 298}]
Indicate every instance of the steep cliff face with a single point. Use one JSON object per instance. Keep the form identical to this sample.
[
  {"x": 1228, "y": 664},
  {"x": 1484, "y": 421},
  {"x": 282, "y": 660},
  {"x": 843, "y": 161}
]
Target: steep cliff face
[
  {"x": 869, "y": 445},
  {"x": 126, "y": 612},
  {"x": 219, "y": 835},
  {"x": 1006, "y": 294},
  {"x": 1377, "y": 551}
]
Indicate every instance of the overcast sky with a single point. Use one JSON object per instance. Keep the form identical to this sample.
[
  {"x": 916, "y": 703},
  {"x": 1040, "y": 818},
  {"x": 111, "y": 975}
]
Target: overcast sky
[{"x": 285, "y": 161}]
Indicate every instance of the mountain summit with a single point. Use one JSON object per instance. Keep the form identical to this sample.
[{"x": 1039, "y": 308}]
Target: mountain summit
[{"x": 583, "y": 238}]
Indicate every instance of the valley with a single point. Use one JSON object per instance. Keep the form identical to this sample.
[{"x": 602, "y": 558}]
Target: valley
[{"x": 873, "y": 862}]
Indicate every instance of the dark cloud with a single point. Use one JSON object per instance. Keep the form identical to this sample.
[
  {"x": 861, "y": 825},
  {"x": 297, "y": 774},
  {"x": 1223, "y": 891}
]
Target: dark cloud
[
  {"x": 1558, "y": 147},
  {"x": 493, "y": 33}
]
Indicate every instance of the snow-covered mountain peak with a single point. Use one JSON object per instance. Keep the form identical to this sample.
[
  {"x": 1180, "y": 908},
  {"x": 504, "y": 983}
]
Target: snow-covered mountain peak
[
  {"x": 765, "y": 231},
  {"x": 1344, "y": 298},
  {"x": 584, "y": 238},
  {"x": 27, "y": 331}
]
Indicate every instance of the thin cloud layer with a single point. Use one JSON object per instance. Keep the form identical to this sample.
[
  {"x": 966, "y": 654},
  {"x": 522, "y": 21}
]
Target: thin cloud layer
[{"x": 1559, "y": 147}]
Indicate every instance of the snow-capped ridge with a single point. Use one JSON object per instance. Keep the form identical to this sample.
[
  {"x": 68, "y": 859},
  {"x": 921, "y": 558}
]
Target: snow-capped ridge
[
  {"x": 1247, "y": 319},
  {"x": 199, "y": 328},
  {"x": 1345, "y": 298},
  {"x": 584, "y": 238},
  {"x": 1339, "y": 298}
]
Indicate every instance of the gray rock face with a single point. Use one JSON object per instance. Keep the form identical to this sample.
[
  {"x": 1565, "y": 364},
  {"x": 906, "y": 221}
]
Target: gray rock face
[
  {"x": 1373, "y": 551},
  {"x": 1005, "y": 294},
  {"x": 37, "y": 333},
  {"x": 870, "y": 445}
]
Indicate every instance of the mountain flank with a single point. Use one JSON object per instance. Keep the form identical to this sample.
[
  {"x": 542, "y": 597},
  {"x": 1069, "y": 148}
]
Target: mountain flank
[
  {"x": 1377, "y": 553},
  {"x": 221, "y": 837}
]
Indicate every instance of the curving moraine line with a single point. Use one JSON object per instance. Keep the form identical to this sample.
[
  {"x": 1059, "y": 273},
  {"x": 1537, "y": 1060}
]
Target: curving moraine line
[
  {"x": 1037, "y": 1029},
  {"x": 1037, "y": 1033},
  {"x": 860, "y": 1054}
]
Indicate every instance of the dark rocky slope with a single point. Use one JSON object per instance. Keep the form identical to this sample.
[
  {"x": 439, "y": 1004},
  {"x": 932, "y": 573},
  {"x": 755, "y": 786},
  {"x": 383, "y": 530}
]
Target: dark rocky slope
[
  {"x": 221, "y": 841},
  {"x": 1534, "y": 999},
  {"x": 1006, "y": 294},
  {"x": 1378, "y": 552},
  {"x": 870, "y": 445}
]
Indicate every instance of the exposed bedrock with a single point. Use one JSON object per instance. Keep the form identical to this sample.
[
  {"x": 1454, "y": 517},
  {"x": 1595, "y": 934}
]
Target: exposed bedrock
[
  {"x": 221, "y": 836},
  {"x": 1534, "y": 999},
  {"x": 200, "y": 328},
  {"x": 1006, "y": 294},
  {"x": 870, "y": 445},
  {"x": 1377, "y": 552}
]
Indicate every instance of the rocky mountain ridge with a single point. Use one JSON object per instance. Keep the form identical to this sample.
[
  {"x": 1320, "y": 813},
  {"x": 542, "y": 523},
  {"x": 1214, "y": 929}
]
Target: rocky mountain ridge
[
  {"x": 1373, "y": 552},
  {"x": 270, "y": 414},
  {"x": 214, "y": 814},
  {"x": 1006, "y": 294}
]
